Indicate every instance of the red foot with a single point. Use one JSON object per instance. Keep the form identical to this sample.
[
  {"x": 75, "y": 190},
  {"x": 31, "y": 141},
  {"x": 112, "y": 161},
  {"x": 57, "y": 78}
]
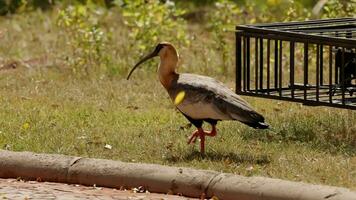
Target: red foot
[{"x": 201, "y": 134}]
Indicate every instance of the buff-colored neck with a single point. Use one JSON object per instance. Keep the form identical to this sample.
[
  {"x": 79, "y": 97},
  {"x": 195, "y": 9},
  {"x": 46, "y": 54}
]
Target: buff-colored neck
[{"x": 167, "y": 67}]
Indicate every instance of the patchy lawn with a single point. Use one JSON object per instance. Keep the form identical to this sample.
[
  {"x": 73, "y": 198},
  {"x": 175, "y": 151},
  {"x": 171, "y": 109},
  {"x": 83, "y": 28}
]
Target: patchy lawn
[
  {"x": 44, "y": 107},
  {"x": 47, "y": 111}
]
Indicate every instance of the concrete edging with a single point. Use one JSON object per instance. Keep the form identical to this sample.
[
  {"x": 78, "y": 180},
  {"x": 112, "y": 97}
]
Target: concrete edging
[{"x": 160, "y": 179}]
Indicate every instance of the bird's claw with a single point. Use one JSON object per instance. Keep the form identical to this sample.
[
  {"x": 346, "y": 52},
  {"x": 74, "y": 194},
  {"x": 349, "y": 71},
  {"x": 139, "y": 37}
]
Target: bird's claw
[
  {"x": 201, "y": 134},
  {"x": 194, "y": 137},
  {"x": 198, "y": 133}
]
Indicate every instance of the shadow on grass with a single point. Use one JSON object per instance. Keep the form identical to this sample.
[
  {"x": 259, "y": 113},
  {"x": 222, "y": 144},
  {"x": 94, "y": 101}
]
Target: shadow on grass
[
  {"x": 223, "y": 157},
  {"x": 333, "y": 143}
]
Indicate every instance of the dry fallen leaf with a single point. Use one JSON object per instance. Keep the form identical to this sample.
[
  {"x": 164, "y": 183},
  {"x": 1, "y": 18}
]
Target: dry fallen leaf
[
  {"x": 250, "y": 168},
  {"x": 97, "y": 188},
  {"x": 7, "y": 147},
  {"x": 132, "y": 107},
  {"x": 139, "y": 189}
]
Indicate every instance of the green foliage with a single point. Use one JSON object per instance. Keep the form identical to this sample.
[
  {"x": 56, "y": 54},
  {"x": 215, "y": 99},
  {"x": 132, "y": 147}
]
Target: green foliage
[
  {"x": 276, "y": 11},
  {"x": 53, "y": 113},
  {"x": 296, "y": 11},
  {"x": 85, "y": 40},
  {"x": 340, "y": 8},
  {"x": 11, "y": 6},
  {"x": 133, "y": 117},
  {"x": 153, "y": 21},
  {"x": 221, "y": 23},
  {"x": 17, "y": 6}
]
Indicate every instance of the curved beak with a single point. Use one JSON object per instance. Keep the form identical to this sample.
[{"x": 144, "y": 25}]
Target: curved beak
[{"x": 149, "y": 56}]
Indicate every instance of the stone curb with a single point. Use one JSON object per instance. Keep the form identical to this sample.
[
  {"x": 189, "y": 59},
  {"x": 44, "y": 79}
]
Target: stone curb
[{"x": 160, "y": 179}]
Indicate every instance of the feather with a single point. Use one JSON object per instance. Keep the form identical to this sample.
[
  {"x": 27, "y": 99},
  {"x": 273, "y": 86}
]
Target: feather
[{"x": 207, "y": 98}]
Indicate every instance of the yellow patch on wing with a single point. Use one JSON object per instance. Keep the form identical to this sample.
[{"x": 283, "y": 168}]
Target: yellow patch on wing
[{"x": 179, "y": 98}]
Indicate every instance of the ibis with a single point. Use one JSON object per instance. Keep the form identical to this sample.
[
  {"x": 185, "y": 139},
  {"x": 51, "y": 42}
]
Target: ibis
[{"x": 200, "y": 98}]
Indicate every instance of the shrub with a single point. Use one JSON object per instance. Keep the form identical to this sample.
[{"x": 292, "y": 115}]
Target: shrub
[
  {"x": 221, "y": 23},
  {"x": 13, "y": 6},
  {"x": 152, "y": 21},
  {"x": 85, "y": 39},
  {"x": 339, "y": 8}
]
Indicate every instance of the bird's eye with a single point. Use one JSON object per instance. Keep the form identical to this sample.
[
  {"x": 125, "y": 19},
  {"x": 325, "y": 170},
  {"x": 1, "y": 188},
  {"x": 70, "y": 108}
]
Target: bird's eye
[{"x": 159, "y": 47}]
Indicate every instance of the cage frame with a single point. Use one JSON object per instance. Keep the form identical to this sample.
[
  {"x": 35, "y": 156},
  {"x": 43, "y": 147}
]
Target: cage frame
[{"x": 326, "y": 35}]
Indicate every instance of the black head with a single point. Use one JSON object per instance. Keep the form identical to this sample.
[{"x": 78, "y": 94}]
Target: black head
[
  {"x": 155, "y": 53},
  {"x": 158, "y": 48}
]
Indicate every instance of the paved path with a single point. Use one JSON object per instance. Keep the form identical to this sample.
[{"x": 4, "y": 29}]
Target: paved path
[{"x": 13, "y": 189}]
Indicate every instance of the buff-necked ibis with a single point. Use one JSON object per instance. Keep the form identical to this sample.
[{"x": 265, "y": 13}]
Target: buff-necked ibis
[{"x": 204, "y": 99}]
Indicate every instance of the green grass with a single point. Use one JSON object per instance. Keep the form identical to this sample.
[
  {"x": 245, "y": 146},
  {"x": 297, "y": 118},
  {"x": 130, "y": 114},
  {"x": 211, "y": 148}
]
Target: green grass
[
  {"x": 76, "y": 117},
  {"x": 44, "y": 108}
]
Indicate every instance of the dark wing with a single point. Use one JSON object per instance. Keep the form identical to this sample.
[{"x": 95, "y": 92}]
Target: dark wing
[{"x": 206, "y": 97}]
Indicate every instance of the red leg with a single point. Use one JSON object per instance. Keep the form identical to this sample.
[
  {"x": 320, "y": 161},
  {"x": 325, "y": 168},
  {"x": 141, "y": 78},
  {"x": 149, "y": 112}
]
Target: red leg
[
  {"x": 202, "y": 143},
  {"x": 195, "y": 135},
  {"x": 212, "y": 133},
  {"x": 201, "y": 134}
]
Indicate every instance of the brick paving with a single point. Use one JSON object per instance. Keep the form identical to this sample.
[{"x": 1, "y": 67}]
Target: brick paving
[{"x": 25, "y": 190}]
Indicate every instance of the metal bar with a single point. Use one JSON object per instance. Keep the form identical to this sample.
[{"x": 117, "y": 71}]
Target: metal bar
[
  {"x": 305, "y": 69},
  {"x": 248, "y": 62},
  {"x": 349, "y": 33},
  {"x": 311, "y": 38},
  {"x": 324, "y": 97},
  {"x": 336, "y": 67},
  {"x": 349, "y": 43},
  {"x": 313, "y": 94},
  {"x": 318, "y": 28},
  {"x": 342, "y": 78},
  {"x": 318, "y": 22},
  {"x": 245, "y": 64},
  {"x": 268, "y": 64},
  {"x": 295, "y": 39},
  {"x": 324, "y": 92},
  {"x": 238, "y": 61},
  {"x": 280, "y": 67},
  {"x": 256, "y": 64},
  {"x": 342, "y": 33},
  {"x": 330, "y": 73},
  {"x": 321, "y": 64},
  {"x": 317, "y": 72},
  {"x": 291, "y": 73},
  {"x": 261, "y": 63},
  {"x": 299, "y": 88},
  {"x": 331, "y": 35},
  {"x": 344, "y": 30},
  {"x": 305, "y": 102},
  {"x": 276, "y": 64}
]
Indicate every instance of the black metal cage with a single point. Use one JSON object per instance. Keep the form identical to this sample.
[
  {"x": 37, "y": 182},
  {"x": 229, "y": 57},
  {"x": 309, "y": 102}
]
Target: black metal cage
[{"x": 312, "y": 62}]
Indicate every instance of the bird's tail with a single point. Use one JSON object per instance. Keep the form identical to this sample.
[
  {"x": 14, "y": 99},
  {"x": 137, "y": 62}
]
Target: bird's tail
[{"x": 251, "y": 118}]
